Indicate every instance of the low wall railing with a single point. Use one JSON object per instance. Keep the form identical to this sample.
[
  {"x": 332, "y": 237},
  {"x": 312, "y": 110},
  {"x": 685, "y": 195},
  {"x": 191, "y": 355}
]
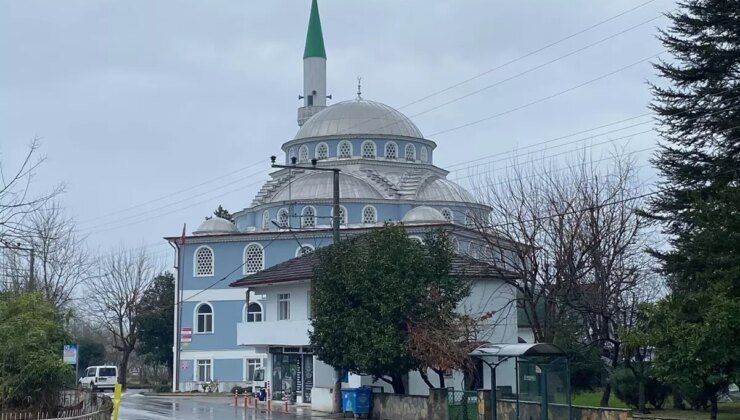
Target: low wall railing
[{"x": 75, "y": 404}]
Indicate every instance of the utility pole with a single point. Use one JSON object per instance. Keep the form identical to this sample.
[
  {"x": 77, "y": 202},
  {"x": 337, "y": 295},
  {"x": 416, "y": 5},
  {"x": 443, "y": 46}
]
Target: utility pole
[{"x": 337, "y": 400}]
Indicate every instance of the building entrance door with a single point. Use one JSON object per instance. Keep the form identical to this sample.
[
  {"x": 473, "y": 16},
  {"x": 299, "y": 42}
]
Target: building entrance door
[{"x": 292, "y": 374}]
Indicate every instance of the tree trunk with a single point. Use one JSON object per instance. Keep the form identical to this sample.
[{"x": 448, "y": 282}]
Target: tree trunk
[
  {"x": 337, "y": 400},
  {"x": 678, "y": 403},
  {"x": 170, "y": 369},
  {"x": 397, "y": 384},
  {"x": 441, "y": 376},
  {"x": 641, "y": 395},
  {"x": 425, "y": 378},
  {"x": 123, "y": 368},
  {"x": 608, "y": 386},
  {"x": 713, "y": 407}
]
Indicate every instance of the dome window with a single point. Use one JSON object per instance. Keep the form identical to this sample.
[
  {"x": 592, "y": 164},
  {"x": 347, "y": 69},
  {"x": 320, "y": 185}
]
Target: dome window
[
  {"x": 469, "y": 220},
  {"x": 410, "y": 153},
  {"x": 342, "y": 215},
  {"x": 303, "y": 250},
  {"x": 265, "y": 220},
  {"x": 369, "y": 215},
  {"x": 391, "y": 150},
  {"x": 291, "y": 154},
  {"x": 344, "y": 150},
  {"x": 308, "y": 217},
  {"x": 254, "y": 258},
  {"x": 368, "y": 150},
  {"x": 203, "y": 262},
  {"x": 424, "y": 154},
  {"x": 303, "y": 154},
  {"x": 283, "y": 218},
  {"x": 447, "y": 213},
  {"x": 322, "y": 151}
]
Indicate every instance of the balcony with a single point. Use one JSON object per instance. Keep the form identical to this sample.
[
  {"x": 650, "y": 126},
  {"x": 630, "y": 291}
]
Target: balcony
[{"x": 275, "y": 333}]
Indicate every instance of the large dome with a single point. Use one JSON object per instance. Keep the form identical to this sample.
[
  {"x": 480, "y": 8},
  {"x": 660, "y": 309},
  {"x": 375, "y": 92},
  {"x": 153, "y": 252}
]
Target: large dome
[
  {"x": 358, "y": 117},
  {"x": 321, "y": 186},
  {"x": 442, "y": 189}
]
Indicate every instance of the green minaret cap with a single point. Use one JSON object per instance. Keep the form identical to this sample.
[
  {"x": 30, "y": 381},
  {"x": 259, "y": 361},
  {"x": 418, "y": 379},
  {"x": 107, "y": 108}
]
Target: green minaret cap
[{"x": 314, "y": 37}]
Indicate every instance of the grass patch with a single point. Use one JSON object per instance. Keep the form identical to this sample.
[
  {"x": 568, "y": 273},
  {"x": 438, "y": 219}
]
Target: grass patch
[
  {"x": 727, "y": 411},
  {"x": 592, "y": 399}
]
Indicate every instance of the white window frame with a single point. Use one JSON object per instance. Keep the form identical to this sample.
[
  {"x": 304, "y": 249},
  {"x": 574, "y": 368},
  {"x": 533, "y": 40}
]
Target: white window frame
[
  {"x": 409, "y": 146},
  {"x": 316, "y": 151},
  {"x": 244, "y": 258},
  {"x": 385, "y": 150},
  {"x": 469, "y": 221},
  {"x": 424, "y": 154},
  {"x": 375, "y": 211},
  {"x": 300, "y": 248},
  {"x": 195, "y": 261},
  {"x": 196, "y": 316},
  {"x": 245, "y": 312},
  {"x": 196, "y": 366},
  {"x": 339, "y": 147},
  {"x": 452, "y": 214},
  {"x": 303, "y": 215},
  {"x": 375, "y": 150},
  {"x": 417, "y": 238},
  {"x": 287, "y": 213},
  {"x": 341, "y": 209},
  {"x": 279, "y": 309},
  {"x": 245, "y": 371},
  {"x": 303, "y": 150},
  {"x": 291, "y": 154},
  {"x": 266, "y": 220}
]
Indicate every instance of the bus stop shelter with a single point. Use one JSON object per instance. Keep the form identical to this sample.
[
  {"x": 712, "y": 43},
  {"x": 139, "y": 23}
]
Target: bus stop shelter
[{"x": 542, "y": 378}]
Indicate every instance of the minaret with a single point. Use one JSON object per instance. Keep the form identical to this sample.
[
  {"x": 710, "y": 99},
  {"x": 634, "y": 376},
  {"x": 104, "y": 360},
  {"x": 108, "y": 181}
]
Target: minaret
[{"x": 314, "y": 69}]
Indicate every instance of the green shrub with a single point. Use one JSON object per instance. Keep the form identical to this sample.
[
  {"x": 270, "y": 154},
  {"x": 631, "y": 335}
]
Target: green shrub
[
  {"x": 162, "y": 388},
  {"x": 626, "y": 387}
]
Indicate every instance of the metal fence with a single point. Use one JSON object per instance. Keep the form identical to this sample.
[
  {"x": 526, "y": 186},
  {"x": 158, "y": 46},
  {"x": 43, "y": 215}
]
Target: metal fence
[
  {"x": 462, "y": 405},
  {"x": 71, "y": 405}
]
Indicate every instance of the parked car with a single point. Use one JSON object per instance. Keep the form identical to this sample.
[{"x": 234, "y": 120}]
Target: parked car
[{"x": 99, "y": 377}]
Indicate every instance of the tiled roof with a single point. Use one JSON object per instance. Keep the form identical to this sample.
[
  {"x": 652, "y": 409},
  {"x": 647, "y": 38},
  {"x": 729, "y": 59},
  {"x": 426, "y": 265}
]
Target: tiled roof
[{"x": 301, "y": 268}]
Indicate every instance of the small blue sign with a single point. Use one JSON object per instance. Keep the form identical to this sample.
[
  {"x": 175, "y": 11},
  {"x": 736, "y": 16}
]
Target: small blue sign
[{"x": 70, "y": 354}]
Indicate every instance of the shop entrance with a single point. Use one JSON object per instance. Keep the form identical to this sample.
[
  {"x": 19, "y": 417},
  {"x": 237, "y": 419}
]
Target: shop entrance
[{"x": 292, "y": 374}]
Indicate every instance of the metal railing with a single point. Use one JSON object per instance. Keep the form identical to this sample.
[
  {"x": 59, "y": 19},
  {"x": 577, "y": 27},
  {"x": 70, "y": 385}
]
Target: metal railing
[{"x": 72, "y": 404}]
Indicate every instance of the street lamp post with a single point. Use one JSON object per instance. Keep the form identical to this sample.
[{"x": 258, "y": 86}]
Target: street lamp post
[{"x": 337, "y": 402}]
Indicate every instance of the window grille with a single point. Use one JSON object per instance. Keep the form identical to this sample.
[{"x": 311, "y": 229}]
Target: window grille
[
  {"x": 390, "y": 150},
  {"x": 322, "y": 151},
  {"x": 368, "y": 150},
  {"x": 253, "y": 259},
  {"x": 308, "y": 219},
  {"x": 303, "y": 250},
  {"x": 303, "y": 154},
  {"x": 283, "y": 218},
  {"x": 369, "y": 215},
  {"x": 410, "y": 153},
  {"x": 447, "y": 213},
  {"x": 424, "y": 154},
  {"x": 204, "y": 262},
  {"x": 265, "y": 220},
  {"x": 344, "y": 150}
]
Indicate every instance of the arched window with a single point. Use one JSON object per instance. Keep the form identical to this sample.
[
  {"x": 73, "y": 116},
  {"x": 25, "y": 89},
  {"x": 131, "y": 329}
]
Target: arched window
[
  {"x": 342, "y": 215},
  {"x": 303, "y": 154},
  {"x": 410, "y": 153},
  {"x": 455, "y": 245},
  {"x": 308, "y": 217},
  {"x": 369, "y": 215},
  {"x": 424, "y": 154},
  {"x": 417, "y": 239},
  {"x": 322, "y": 151},
  {"x": 204, "y": 319},
  {"x": 368, "y": 149},
  {"x": 203, "y": 262},
  {"x": 469, "y": 220},
  {"x": 265, "y": 219},
  {"x": 344, "y": 150},
  {"x": 254, "y": 313},
  {"x": 391, "y": 150},
  {"x": 254, "y": 258},
  {"x": 291, "y": 154},
  {"x": 447, "y": 213},
  {"x": 303, "y": 250},
  {"x": 283, "y": 218}
]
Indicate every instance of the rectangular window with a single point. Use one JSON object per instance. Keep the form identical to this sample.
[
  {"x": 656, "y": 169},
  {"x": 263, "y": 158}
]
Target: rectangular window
[
  {"x": 283, "y": 306},
  {"x": 204, "y": 370},
  {"x": 253, "y": 370}
]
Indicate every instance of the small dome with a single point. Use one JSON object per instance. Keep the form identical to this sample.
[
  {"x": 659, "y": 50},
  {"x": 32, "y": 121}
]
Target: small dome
[
  {"x": 423, "y": 214},
  {"x": 444, "y": 190},
  {"x": 358, "y": 117},
  {"x": 216, "y": 226},
  {"x": 320, "y": 185}
]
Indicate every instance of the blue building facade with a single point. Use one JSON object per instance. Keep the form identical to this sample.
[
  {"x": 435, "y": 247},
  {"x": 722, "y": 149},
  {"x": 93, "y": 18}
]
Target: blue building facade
[{"x": 241, "y": 336}]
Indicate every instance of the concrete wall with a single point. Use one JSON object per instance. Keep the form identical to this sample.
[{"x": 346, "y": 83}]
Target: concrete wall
[
  {"x": 411, "y": 407},
  {"x": 507, "y": 411}
]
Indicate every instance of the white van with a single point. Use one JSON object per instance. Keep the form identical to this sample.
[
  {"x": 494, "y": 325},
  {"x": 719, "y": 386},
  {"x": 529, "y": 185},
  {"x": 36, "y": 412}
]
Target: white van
[{"x": 99, "y": 377}]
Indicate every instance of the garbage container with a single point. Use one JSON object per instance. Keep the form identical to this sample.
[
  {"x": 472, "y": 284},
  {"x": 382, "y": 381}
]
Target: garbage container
[{"x": 357, "y": 400}]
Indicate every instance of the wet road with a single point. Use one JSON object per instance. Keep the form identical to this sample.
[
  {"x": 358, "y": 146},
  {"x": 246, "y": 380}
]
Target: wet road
[{"x": 138, "y": 407}]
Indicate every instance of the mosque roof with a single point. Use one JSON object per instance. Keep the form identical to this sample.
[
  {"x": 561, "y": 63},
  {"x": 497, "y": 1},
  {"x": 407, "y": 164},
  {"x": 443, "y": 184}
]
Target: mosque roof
[
  {"x": 321, "y": 185},
  {"x": 314, "y": 37},
  {"x": 423, "y": 214},
  {"x": 358, "y": 117},
  {"x": 441, "y": 189},
  {"x": 216, "y": 226}
]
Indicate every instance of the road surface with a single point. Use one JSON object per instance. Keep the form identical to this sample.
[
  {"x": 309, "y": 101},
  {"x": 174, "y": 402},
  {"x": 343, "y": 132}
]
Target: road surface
[{"x": 135, "y": 406}]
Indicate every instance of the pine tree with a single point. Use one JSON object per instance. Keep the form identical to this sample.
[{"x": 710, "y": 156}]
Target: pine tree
[
  {"x": 223, "y": 213},
  {"x": 699, "y": 159}
]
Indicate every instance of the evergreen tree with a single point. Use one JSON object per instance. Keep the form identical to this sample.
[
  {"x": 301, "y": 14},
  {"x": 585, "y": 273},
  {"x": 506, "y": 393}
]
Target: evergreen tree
[
  {"x": 156, "y": 321},
  {"x": 699, "y": 160},
  {"x": 223, "y": 213}
]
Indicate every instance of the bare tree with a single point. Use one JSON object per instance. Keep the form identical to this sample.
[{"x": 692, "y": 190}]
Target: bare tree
[
  {"x": 16, "y": 198},
  {"x": 113, "y": 299},
  {"x": 577, "y": 245}
]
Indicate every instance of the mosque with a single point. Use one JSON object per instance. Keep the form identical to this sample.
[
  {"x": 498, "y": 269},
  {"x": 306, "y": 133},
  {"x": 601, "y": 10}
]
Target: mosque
[{"x": 252, "y": 327}]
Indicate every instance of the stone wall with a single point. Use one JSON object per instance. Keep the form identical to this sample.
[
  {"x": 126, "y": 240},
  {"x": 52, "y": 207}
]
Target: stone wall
[{"x": 411, "y": 407}]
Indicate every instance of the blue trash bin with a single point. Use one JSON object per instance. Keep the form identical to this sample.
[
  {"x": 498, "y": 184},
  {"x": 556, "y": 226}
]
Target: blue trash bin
[{"x": 356, "y": 400}]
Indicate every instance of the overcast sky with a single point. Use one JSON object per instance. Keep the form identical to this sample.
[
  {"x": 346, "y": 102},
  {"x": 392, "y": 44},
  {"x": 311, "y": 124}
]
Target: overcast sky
[{"x": 140, "y": 103}]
